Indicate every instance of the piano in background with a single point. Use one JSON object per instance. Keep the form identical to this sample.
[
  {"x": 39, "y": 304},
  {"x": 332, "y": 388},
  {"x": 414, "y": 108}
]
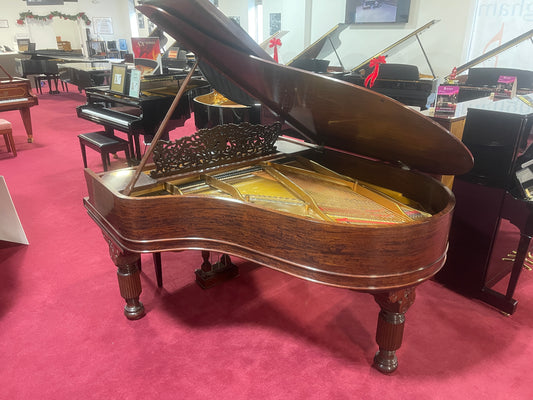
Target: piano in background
[
  {"x": 344, "y": 208},
  {"x": 85, "y": 74},
  {"x": 174, "y": 60},
  {"x": 67, "y": 66},
  {"x": 313, "y": 59},
  {"x": 46, "y": 67},
  {"x": 142, "y": 115},
  {"x": 16, "y": 94},
  {"x": 482, "y": 81},
  {"x": 402, "y": 82},
  {"x": 499, "y": 134},
  {"x": 213, "y": 109}
]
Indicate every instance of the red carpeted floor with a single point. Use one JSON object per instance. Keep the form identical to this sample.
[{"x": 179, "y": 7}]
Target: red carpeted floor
[{"x": 264, "y": 335}]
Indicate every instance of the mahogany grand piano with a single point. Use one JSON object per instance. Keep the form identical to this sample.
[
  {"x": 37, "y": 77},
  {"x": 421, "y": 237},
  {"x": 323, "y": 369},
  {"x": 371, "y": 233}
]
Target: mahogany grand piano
[
  {"x": 16, "y": 94},
  {"x": 346, "y": 207}
]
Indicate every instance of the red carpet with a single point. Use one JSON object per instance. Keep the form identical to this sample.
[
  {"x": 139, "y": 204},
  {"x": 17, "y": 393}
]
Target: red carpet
[{"x": 264, "y": 335}]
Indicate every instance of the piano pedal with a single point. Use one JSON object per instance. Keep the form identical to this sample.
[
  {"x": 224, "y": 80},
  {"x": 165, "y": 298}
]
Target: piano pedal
[
  {"x": 210, "y": 275},
  {"x": 527, "y": 262}
]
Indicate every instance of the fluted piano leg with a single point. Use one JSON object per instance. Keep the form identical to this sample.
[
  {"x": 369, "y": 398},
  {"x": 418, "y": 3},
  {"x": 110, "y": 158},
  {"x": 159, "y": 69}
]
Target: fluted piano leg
[
  {"x": 391, "y": 320},
  {"x": 129, "y": 280}
]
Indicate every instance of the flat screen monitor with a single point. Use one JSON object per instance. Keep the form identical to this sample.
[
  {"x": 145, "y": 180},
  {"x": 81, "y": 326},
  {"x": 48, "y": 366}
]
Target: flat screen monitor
[
  {"x": 111, "y": 45},
  {"x": 377, "y": 11}
]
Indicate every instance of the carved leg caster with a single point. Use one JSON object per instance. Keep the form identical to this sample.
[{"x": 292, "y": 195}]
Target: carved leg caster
[
  {"x": 391, "y": 320},
  {"x": 129, "y": 280},
  {"x": 211, "y": 274}
]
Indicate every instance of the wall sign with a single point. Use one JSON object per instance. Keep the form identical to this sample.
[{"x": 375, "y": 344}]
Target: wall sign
[{"x": 44, "y": 2}]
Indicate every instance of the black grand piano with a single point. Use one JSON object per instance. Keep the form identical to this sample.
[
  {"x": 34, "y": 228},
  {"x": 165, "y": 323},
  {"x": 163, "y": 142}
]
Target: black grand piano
[
  {"x": 477, "y": 82},
  {"x": 402, "y": 82},
  {"x": 40, "y": 69},
  {"x": 141, "y": 115},
  {"x": 346, "y": 207}
]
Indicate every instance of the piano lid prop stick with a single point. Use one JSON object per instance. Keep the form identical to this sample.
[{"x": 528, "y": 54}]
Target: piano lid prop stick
[
  {"x": 7, "y": 73},
  {"x": 160, "y": 131}
]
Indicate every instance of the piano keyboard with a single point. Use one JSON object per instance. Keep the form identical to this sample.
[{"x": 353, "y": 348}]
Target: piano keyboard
[
  {"x": 19, "y": 99},
  {"x": 124, "y": 120}
]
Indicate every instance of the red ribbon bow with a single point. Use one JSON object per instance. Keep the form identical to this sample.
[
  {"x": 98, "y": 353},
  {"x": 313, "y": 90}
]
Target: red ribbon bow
[
  {"x": 453, "y": 75},
  {"x": 374, "y": 63},
  {"x": 275, "y": 43}
]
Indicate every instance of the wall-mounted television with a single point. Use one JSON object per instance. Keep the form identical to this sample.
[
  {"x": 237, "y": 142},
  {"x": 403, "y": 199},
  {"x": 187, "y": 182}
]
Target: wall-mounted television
[{"x": 377, "y": 11}]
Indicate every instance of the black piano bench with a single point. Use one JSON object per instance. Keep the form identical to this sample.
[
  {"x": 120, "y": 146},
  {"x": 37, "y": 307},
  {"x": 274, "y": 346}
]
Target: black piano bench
[
  {"x": 104, "y": 144},
  {"x": 38, "y": 79}
]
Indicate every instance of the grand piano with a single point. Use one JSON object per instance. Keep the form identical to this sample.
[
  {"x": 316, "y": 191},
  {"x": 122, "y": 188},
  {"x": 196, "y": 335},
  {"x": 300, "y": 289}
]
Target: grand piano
[
  {"x": 16, "y": 94},
  {"x": 348, "y": 207},
  {"x": 400, "y": 81},
  {"x": 37, "y": 67},
  {"x": 476, "y": 82},
  {"x": 140, "y": 115}
]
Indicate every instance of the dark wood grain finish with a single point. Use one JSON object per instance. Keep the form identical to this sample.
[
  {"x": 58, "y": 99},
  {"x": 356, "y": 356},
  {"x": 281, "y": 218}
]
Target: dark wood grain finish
[
  {"x": 354, "y": 132},
  {"x": 387, "y": 261},
  {"x": 337, "y": 254},
  {"x": 129, "y": 281},
  {"x": 16, "y": 94}
]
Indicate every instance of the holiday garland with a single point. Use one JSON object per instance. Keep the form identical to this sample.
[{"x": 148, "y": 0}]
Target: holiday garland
[{"x": 72, "y": 17}]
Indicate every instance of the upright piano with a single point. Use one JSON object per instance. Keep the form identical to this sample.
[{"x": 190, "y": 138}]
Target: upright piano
[
  {"x": 348, "y": 207},
  {"x": 140, "y": 115},
  {"x": 477, "y": 82},
  {"x": 499, "y": 135},
  {"x": 402, "y": 82},
  {"x": 16, "y": 94}
]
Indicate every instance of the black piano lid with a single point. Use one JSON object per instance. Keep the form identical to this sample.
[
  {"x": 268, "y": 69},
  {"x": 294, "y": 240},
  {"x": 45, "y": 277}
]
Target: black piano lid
[{"x": 327, "y": 111}]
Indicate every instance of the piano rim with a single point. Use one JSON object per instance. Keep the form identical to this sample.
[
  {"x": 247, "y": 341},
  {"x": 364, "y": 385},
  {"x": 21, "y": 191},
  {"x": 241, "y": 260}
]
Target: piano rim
[{"x": 352, "y": 276}]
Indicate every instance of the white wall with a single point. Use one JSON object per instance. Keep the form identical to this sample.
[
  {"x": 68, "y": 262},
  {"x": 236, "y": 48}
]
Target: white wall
[
  {"x": 498, "y": 22},
  {"x": 236, "y": 8},
  {"x": 44, "y": 33},
  {"x": 293, "y": 15},
  {"x": 445, "y": 42},
  {"x": 305, "y": 20}
]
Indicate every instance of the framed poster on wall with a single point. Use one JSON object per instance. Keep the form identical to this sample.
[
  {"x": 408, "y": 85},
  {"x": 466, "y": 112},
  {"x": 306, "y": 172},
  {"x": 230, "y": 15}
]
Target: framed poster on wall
[{"x": 103, "y": 25}]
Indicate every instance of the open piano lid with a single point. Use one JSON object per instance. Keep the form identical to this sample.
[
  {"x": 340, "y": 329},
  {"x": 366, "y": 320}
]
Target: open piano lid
[{"x": 327, "y": 111}]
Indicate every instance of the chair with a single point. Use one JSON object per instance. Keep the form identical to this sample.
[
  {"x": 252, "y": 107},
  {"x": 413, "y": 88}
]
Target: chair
[
  {"x": 104, "y": 144},
  {"x": 5, "y": 129}
]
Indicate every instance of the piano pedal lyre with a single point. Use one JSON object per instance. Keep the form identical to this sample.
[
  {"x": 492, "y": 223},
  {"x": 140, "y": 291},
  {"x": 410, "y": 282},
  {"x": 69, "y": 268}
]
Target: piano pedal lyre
[{"x": 209, "y": 275}]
